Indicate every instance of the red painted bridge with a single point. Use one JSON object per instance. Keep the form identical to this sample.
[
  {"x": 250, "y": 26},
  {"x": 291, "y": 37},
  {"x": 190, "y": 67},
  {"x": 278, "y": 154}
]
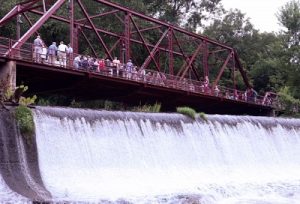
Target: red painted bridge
[{"x": 176, "y": 61}]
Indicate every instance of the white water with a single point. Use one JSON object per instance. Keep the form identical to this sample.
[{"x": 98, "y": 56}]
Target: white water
[
  {"x": 93, "y": 156},
  {"x": 7, "y": 196}
]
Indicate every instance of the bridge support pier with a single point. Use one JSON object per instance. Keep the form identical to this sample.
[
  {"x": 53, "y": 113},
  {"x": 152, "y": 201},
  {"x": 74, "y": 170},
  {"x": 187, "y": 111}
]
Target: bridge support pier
[{"x": 8, "y": 74}]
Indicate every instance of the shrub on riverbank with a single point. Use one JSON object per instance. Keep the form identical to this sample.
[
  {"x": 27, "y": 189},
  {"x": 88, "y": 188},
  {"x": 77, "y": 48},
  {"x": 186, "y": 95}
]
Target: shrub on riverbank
[
  {"x": 24, "y": 118},
  {"x": 187, "y": 111}
]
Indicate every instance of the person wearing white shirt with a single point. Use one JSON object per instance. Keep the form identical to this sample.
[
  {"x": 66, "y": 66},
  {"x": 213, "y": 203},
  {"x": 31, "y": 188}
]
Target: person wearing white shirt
[
  {"x": 117, "y": 64},
  {"x": 62, "y": 54}
]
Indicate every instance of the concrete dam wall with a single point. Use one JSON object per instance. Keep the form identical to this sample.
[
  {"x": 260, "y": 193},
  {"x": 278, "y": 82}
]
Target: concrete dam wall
[{"x": 88, "y": 156}]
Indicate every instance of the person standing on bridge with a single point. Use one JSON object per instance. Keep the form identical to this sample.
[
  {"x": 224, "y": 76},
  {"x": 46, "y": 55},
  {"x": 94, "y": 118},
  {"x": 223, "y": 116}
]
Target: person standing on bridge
[
  {"x": 69, "y": 54},
  {"x": 62, "y": 54},
  {"x": 37, "y": 49},
  {"x": 52, "y": 50}
]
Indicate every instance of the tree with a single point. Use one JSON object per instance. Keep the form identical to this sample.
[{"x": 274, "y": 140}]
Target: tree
[
  {"x": 187, "y": 13},
  {"x": 289, "y": 17},
  {"x": 235, "y": 30}
]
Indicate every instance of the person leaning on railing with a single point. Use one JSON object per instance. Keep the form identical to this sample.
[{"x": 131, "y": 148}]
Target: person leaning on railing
[
  {"x": 101, "y": 66},
  {"x": 77, "y": 62}
]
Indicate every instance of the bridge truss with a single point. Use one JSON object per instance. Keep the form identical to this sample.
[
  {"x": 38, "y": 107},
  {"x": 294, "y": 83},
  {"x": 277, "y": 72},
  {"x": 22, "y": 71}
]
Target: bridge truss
[{"x": 112, "y": 30}]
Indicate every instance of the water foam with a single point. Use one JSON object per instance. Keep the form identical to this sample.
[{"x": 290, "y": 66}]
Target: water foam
[{"x": 93, "y": 156}]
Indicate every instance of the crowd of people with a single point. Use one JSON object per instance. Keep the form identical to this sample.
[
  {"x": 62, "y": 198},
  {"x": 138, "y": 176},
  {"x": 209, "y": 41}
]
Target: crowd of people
[
  {"x": 62, "y": 55},
  {"x": 54, "y": 55}
]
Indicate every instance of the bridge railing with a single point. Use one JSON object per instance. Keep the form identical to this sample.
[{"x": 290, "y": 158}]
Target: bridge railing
[
  {"x": 151, "y": 77},
  {"x": 4, "y": 46}
]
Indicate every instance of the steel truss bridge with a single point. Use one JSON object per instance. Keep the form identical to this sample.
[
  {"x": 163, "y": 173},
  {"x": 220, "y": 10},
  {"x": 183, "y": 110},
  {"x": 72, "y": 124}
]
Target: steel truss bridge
[{"x": 184, "y": 58}]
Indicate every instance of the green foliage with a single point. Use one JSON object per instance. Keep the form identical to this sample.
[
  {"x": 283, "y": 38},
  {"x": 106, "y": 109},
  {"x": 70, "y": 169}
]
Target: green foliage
[
  {"x": 203, "y": 116},
  {"x": 187, "y": 111},
  {"x": 26, "y": 101},
  {"x": 53, "y": 100},
  {"x": 289, "y": 17},
  {"x": 25, "y": 122},
  {"x": 147, "y": 108},
  {"x": 8, "y": 94},
  {"x": 289, "y": 104}
]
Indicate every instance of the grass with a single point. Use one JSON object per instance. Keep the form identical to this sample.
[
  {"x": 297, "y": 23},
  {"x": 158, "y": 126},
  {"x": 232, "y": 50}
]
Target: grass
[
  {"x": 187, "y": 111},
  {"x": 25, "y": 122}
]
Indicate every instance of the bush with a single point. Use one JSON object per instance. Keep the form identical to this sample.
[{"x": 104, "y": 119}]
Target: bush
[
  {"x": 147, "y": 108},
  {"x": 288, "y": 103},
  {"x": 203, "y": 116},
  {"x": 25, "y": 122},
  {"x": 187, "y": 111}
]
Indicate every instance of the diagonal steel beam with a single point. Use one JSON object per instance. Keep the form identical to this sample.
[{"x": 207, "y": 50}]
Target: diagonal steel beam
[
  {"x": 37, "y": 25},
  {"x": 118, "y": 17},
  {"x": 145, "y": 44},
  {"x": 29, "y": 21},
  {"x": 240, "y": 67},
  {"x": 191, "y": 60},
  {"x": 151, "y": 19},
  {"x": 185, "y": 58},
  {"x": 222, "y": 69},
  {"x": 97, "y": 15},
  {"x": 146, "y": 29},
  {"x": 154, "y": 50},
  {"x": 20, "y": 8},
  {"x": 62, "y": 19},
  {"x": 113, "y": 47},
  {"x": 94, "y": 28},
  {"x": 89, "y": 43},
  {"x": 13, "y": 12}
]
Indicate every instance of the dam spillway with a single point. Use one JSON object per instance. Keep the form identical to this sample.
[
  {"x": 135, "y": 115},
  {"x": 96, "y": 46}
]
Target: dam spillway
[{"x": 100, "y": 156}]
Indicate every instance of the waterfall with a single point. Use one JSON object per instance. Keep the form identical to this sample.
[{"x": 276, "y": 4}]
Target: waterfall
[{"x": 97, "y": 156}]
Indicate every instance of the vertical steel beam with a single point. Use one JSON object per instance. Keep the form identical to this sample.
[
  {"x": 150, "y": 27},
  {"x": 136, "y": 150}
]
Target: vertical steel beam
[
  {"x": 145, "y": 44},
  {"x": 18, "y": 27},
  {"x": 71, "y": 12},
  {"x": 233, "y": 74},
  {"x": 158, "y": 58},
  {"x": 127, "y": 36},
  {"x": 171, "y": 56},
  {"x": 94, "y": 28},
  {"x": 38, "y": 24},
  {"x": 222, "y": 69},
  {"x": 76, "y": 37},
  {"x": 205, "y": 59},
  {"x": 154, "y": 50}
]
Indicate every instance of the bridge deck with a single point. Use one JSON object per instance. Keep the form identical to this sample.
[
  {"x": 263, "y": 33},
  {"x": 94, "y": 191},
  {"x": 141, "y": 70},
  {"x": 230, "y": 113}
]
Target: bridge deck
[{"x": 132, "y": 88}]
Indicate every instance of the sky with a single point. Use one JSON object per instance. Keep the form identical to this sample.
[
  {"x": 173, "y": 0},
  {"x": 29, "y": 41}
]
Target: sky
[{"x": 262, "y": 13}]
